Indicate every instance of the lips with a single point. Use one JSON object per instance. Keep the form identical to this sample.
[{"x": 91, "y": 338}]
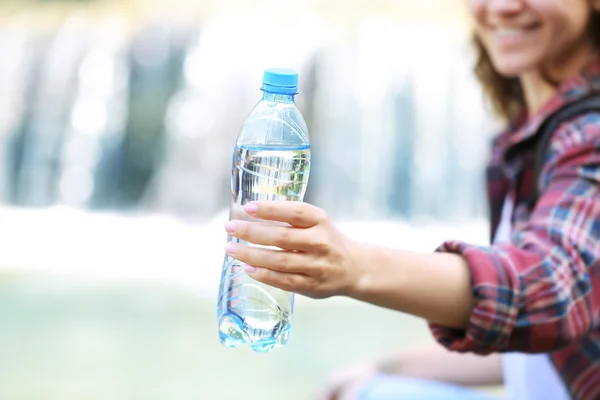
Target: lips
[{"x": 510, "y": 34}]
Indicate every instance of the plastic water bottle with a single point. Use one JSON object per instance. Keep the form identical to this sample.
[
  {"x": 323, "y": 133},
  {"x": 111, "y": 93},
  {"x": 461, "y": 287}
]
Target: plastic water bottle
[{"x": 271, "y": 161}]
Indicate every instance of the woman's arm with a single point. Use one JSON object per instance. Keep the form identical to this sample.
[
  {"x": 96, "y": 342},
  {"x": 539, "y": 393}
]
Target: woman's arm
[
  {"x": 540, "y": 293},
  {"x": 544, "y": 285},
  {"x": 429, "y": 362},
  {"x": 433, "y": 362},
  {"x": 436, "y": 286}
]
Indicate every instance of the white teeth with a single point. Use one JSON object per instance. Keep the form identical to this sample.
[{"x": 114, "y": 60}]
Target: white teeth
[{"x": 509, "y": 32}]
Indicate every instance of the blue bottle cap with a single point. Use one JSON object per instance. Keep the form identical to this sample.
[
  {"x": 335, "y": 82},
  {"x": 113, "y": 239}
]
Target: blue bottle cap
[{"x": 280, "y": 81}]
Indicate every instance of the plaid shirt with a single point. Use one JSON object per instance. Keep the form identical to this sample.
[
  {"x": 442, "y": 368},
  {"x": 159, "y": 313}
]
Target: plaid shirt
[{"x": 541, "y": 292}]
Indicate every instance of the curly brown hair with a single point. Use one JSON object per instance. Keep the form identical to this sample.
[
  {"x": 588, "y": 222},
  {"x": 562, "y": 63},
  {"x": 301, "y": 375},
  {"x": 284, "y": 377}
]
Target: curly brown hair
[{"x": 505, "y": 93}]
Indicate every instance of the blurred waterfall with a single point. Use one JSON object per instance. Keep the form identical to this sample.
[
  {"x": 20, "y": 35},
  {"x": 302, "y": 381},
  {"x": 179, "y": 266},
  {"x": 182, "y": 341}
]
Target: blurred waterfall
[{"x": 105, "y": 116}]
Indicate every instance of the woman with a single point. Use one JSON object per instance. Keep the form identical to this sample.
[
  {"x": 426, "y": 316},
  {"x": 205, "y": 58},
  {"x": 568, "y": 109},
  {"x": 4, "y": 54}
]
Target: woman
[{"x": 536, "y": 291}]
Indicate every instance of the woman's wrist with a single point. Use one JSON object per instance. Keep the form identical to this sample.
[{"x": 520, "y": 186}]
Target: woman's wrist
[
  {"x": 436, "y": 287},
  {"x": 363, "y": 281}
]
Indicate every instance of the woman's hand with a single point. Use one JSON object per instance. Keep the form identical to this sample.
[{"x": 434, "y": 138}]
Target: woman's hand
[
  {"x": 429, "y": 362},
  {"x": 347, "y": 383},
  {"x": 315, "y": 259},
  {"x": 318, "y": 261}
]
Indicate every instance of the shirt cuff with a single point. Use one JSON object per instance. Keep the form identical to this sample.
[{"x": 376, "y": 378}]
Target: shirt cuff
[{"x": 495, "y": 290}]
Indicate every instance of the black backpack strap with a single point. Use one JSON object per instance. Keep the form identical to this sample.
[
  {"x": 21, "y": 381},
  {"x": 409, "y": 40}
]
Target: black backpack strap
[{"x": 547, "y": 129}]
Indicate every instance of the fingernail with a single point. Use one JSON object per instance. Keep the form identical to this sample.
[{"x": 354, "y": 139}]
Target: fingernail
[
  {"x": 249, "y": 269},
  {"x": 251, "y": 208},
  {"x": 231, "y": 248},
  {"x": 230, "y": 227}
]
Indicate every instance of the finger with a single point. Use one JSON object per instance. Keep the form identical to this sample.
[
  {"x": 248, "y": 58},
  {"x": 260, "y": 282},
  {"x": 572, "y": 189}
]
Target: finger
[
  {"x": 276, "y": 260},
  {"x": 284, "y": 237},
  {"x": 289, "y": 282},
  {"x": 295, "y": 213}
]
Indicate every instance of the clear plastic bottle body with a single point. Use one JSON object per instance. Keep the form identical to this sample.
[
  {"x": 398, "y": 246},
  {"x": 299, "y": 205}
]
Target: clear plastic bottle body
[{"x": 271, "y": 161}]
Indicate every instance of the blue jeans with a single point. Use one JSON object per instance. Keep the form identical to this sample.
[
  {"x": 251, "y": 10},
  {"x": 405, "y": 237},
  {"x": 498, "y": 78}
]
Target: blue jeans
[{"x": 395, "y": 388}]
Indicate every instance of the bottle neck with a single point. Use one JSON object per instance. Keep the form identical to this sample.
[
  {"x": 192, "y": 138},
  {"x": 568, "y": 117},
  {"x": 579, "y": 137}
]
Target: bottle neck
[{"x": 284, "y": 98}]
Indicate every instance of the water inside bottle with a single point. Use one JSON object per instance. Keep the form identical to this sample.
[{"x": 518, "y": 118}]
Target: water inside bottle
[{"x": 249, "y": 311}]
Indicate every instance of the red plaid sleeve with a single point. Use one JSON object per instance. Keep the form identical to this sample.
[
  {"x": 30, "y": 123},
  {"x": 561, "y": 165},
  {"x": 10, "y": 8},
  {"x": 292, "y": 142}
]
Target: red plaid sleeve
[{"x": 542, "y": 291}]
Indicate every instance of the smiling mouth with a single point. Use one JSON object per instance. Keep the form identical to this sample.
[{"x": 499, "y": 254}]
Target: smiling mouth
[{"x": 514, "y": 32}]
